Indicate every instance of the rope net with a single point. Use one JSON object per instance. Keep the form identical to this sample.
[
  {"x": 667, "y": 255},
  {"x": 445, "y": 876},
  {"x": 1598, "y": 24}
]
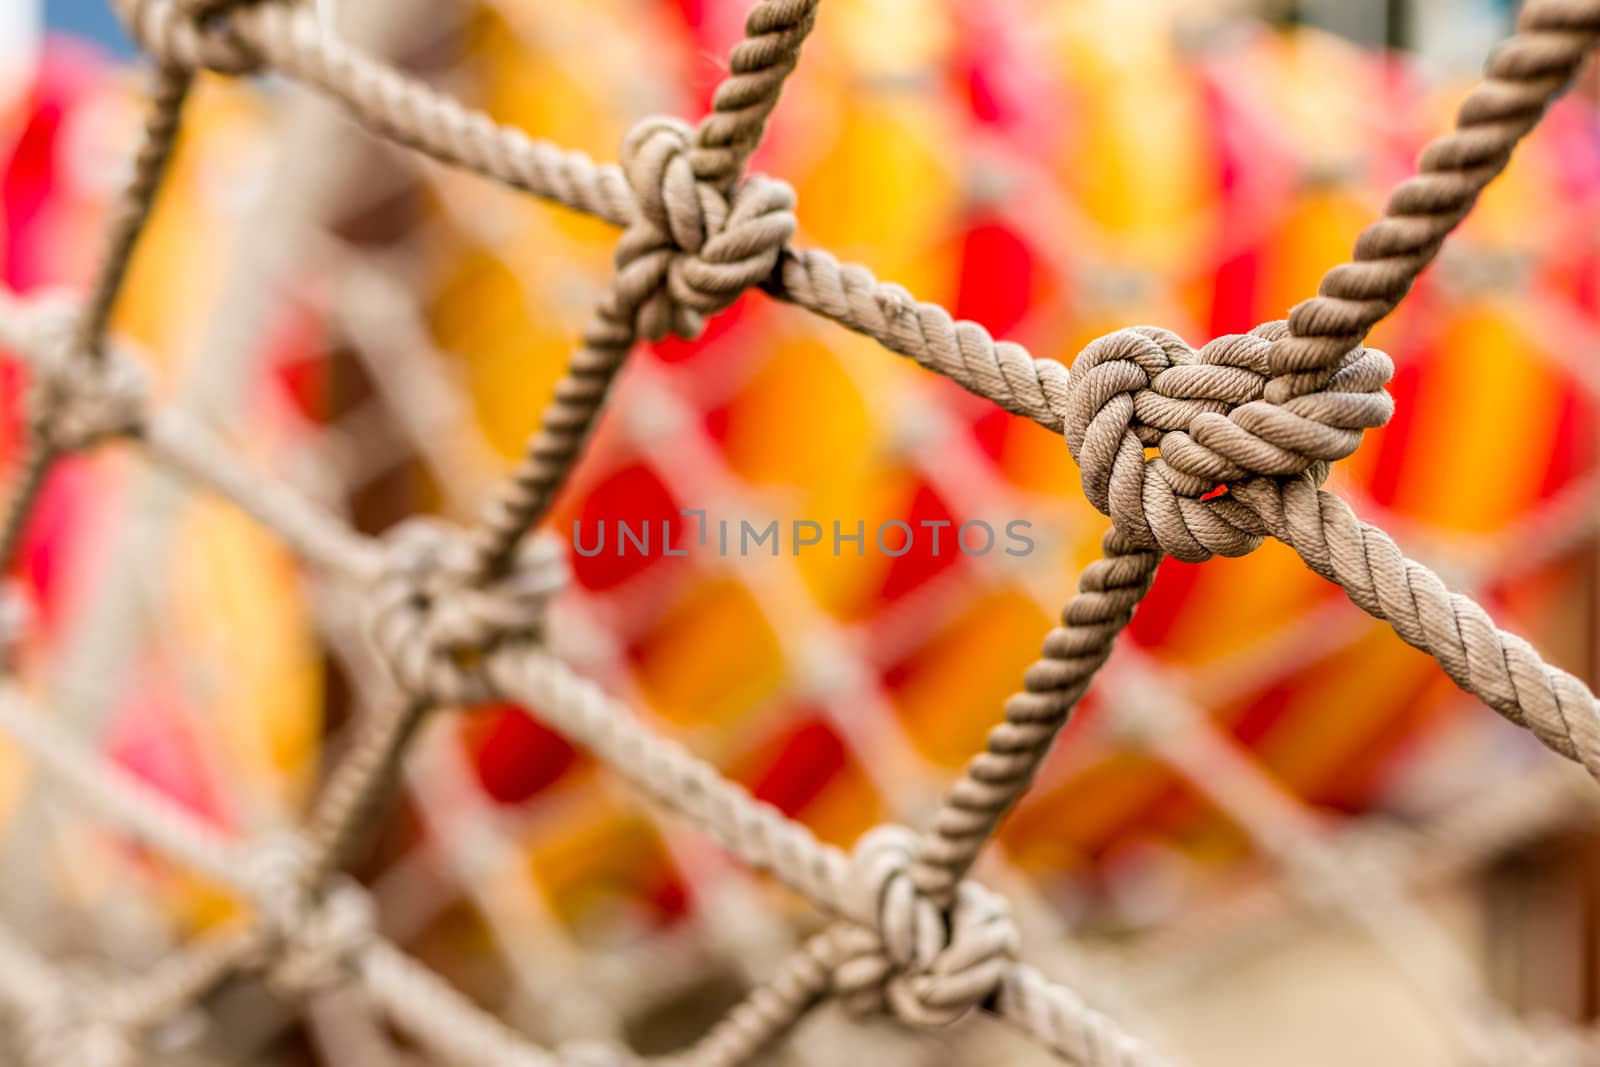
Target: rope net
[{"x": 1191, "y": 453}]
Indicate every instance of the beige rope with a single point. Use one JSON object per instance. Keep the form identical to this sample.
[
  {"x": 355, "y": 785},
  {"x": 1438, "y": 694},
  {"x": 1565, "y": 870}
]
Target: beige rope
[
  {"x": 1261, "y": 415},
  {"x": 1525, "y": 74},
  {"x": 659, "y": 767},
  {"x": 294, "y": 43},
  {"x": 699, "y": 241},
  {"x": 1108, "y": 591},
  {"x": 774, "y": 32},
  {"x": 767, "y": 1013},
  {"x": 696, "y": 244},
  {"x": 1500, "y": 668},
  {"x": 48, "y": 434},
  {"x": 351, "y": 799}
]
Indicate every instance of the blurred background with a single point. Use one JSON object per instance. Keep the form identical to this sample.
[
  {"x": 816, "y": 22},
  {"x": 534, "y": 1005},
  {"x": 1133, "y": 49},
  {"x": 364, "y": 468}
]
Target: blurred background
[{"x": 384, "y": 332}]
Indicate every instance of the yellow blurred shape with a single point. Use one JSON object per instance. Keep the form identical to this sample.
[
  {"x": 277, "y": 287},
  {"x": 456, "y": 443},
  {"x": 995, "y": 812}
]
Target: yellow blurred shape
[
  {"x": 1487, "y": 390},
  {"x": 511, "y": 360},
  {"x": 861, "y": 496},
  {"x": 710, "y": 657},
  {"x": 953, "y": 686},
  {"x": 14, "y": 772},
  {"x": 1036, "y": 459},
  {"x": 221, "y": 154},
  {"x": 1318, "y": 231},
  {"x": 799, "y": 419},
  {"x": 236, "y": 608},
  {"x": 885, "y": 189},
  {"x": 1339, "y": 706},
  {"x": 1235, "y": 603},
  {"x": 859, "y": 28},
  {"x": 594, "y": 861},
  {"x": 846, "y": 809},
  {"x": 550, "y": 92},
  {"x": 1137, "y": 156}
]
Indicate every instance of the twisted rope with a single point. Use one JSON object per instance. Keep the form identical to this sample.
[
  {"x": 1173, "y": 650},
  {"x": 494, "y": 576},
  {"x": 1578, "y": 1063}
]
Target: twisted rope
[
  {"x": 80, "y": 368},
  {"x": 690, "y": 252},
  {"x": 1108, "y": 591},
  {"x": 1243, "y": 430},
  {"x": 698, "y": 241},
  {"x": 757, "y": 69},
  {"x": 1526, "y": 73}
]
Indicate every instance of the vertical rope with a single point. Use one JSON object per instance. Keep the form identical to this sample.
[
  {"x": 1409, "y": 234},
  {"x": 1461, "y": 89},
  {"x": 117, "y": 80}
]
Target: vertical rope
[
  {"x": 1526, "y": 73},
  {"x": 1108, "y": 591},
  {"x": 361, "y": 781},
  {"x": 128, "y": 221},
  {"x": 674, "y": 216},
  {"x": 167, "y": 98},
  {"x": 757, "y": 69}
]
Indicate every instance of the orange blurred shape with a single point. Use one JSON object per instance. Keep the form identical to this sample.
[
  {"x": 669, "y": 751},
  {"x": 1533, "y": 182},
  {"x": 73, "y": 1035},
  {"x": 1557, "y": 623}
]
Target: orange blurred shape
[
  {"x": 949, "y": 690},
  {"x": 711, "y": 657}
]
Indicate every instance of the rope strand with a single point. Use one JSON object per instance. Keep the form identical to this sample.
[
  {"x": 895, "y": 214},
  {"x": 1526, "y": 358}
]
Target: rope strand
[{"x": 1190, "y": 452}]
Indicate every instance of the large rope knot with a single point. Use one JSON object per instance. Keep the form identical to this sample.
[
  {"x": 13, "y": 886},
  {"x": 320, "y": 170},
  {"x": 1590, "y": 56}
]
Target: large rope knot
[
  {"x": 78, "y": 402},
  {"x": 433, "y": 619},
  {"x": 312, "y": 935},
  {"x": 693, "y": 248},
  {"x": 928, "y": 967},
  {"x": 194, "y": 34},
  {"x": 1206, "y": 415}
]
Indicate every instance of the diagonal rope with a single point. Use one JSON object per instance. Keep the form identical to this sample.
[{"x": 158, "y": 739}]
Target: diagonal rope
[
  {"x": 131, "y": 213},
  {"x": 684, "y": 187},
  {"x": 652, "y": 293}
]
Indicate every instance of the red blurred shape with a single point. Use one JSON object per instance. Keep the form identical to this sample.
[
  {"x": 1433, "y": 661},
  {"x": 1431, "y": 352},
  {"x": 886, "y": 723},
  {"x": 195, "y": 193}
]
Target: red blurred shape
[
  {"x": 61, "y": 518},
  {"x": 921, "y": 563},
  {"x": 800, "y": 767},
  {"x": 518, "y": 757},
  {"x": 1572, "y": 452},
  {"x": 668, "y": 896},
  {"x": 1265, "y": 711},
  {"x": 1233, "y": 296},
  {"x": 990, "y": 430},
  {"x": 13, "y": 394},
  {"x": 295, "y": 354},
  {"x": 986, "y": 74},
  {"x": 1161, "y": 608},
  {"x": 716, "y": 422},
  {"x": 678, "y": 350},
  {"x": 149, "y": 741},
  {"x": 29, "y": 181},
  {"x": 714, "y": 27},
  {"x": 999, "y": 276},
  {"x": 632, "y": 495}
]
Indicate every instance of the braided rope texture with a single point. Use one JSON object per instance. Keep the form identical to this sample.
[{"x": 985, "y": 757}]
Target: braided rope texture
[{"x": 1190, "y": 452}]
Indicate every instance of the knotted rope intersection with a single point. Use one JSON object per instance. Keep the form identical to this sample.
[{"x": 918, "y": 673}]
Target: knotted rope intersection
[{"x": 1190, "y": 453}]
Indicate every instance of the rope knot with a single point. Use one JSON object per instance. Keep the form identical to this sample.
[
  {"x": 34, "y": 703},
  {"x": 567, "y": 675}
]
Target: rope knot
[
  {"x": 312, "y": 936},
  {"x": 432, "y": 618},
  {"x": 908, "y": 956},
  {"x": 1207, "y": 415},
  {"x": 693, "y": 248},
  {"x": 79, "y": 402},
  {"x": 192, "y": 34}
]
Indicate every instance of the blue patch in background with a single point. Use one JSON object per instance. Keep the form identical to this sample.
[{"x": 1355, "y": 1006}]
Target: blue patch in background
[{"x": 91, "y": 20}]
